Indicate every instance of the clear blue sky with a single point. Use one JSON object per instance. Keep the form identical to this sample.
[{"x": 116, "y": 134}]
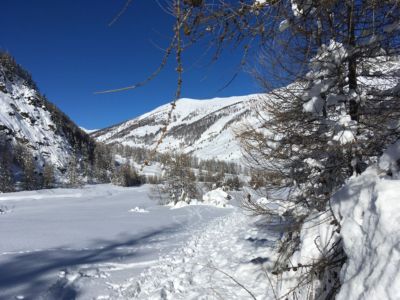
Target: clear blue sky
[{"x": 71, "y": 52}]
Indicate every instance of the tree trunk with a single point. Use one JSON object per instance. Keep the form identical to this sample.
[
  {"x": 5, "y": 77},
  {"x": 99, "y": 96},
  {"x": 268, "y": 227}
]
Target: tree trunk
[{"x": 352, "y": 62}]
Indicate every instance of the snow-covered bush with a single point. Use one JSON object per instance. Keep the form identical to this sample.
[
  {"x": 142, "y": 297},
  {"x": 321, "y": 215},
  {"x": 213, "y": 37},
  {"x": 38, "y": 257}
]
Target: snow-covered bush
[{"x": 217, "y": 197}]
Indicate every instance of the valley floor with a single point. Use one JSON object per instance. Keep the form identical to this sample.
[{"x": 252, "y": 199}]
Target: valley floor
[
  {"x": 107, "y": 242},
  {"x": 85, "y": 243}
]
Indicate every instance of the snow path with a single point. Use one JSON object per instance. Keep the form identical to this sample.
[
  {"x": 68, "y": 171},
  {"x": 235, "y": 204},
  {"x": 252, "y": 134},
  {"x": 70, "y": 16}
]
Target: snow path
[
  {"x": 227, "y": 259},
  {"x": 82, "y": 243}
]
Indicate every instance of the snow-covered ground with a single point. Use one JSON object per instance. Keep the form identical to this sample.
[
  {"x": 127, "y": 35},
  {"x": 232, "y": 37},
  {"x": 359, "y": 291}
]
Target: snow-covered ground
[
  {"x": 84, "y": 243},
  {"x": 229, "y": 259},
  {"x": 107, "y": 242}
]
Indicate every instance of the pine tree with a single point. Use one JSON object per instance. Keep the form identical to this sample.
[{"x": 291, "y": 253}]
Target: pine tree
[
  {"x": 73, "y": 177},
  {"x": 48, "y": 176},
  {"x": 179, "y": 179},
  {"x": 103, "y": 167},
  {"x": 6, "y": 177},
  {"x": 29, "y": 177},
  {"x": 126, "y": 176}
]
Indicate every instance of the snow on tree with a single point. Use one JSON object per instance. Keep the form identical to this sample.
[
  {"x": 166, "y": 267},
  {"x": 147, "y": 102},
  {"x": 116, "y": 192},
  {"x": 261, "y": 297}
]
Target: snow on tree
[
  {"x": 179, "y": 179},
  {"x": 335, "y": 108}
]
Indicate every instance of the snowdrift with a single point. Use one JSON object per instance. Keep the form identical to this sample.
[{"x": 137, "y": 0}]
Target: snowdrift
[
  {"x": 217, "y": 198},
  {"x": 369, "y": 209}
]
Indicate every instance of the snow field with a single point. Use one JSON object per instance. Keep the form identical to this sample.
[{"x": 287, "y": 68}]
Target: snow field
[{"x": 80, "y": 243}]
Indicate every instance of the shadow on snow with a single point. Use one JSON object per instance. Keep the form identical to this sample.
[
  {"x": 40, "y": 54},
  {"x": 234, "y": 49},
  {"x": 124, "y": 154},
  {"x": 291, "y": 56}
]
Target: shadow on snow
[{"x": 32, "y": 274}]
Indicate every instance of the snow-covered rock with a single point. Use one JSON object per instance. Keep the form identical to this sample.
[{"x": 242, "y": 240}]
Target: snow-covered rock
[
  {"x": 368, "y": 210},
  {"x": 88, "y": 131}
]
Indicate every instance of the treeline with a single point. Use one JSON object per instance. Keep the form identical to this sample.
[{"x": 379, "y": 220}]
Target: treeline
[
  {"x": 206, "y": 170},
  {"x": 184, "y": 177},
  {"x": 140, "y": 155},
  {"x": 13, "y": 69},
  {"x": 21, "y": 168}
]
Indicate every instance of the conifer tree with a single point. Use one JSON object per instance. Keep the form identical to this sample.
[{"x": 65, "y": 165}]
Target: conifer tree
[
  {"x": 333, "y": 116},
  {"x": 126, "y": 176},
  {"x": 29, "y": 177},
  {"x": 48, "y": 176},
  {"x": 103, "y": 166},
  {"x": 6, "y": 177},
  {"x": 179, "y": 179},
  {"x": 73, "y": 178}
]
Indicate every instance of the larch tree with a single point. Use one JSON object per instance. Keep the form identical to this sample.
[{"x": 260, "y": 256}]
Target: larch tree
[{"x": 333, "y": 104}]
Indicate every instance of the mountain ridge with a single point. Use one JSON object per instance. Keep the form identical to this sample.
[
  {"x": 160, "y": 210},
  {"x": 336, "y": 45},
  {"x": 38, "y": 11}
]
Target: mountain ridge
[
  {"x": 204, "y": 128},
  {"x": 29, "y": 120}
]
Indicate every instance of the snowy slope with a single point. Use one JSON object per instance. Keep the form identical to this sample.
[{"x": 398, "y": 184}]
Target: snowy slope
[
  {"x": 29, "y": 124},
  {"x": 27, "y": 118},
  {"x": 204, "y": 128}
]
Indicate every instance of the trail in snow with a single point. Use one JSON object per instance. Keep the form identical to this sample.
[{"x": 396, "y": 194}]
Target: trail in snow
[{"x": 228, "y": 258}]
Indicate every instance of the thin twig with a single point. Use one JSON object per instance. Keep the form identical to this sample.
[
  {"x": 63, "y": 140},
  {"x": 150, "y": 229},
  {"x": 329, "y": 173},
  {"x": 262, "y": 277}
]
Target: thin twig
[
  {"x": 230, "y": 277},
  {"x": 120, "y": 13}
]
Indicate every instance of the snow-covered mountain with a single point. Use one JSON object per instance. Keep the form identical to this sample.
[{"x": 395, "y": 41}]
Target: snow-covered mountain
[
  {"x": 204, "y": 128},
  {"x": 88, "y": 131},
  {"x": 28, "y": 119}
]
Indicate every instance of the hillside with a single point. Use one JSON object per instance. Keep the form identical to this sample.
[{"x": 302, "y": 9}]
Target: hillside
[
  {"x": 30, "y": 122},
  {"x": 204, "y": 128}
]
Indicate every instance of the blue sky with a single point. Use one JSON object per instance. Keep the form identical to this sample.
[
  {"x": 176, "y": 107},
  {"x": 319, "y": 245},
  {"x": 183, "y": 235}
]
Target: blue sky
[{"x": 71, "y": 52}]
